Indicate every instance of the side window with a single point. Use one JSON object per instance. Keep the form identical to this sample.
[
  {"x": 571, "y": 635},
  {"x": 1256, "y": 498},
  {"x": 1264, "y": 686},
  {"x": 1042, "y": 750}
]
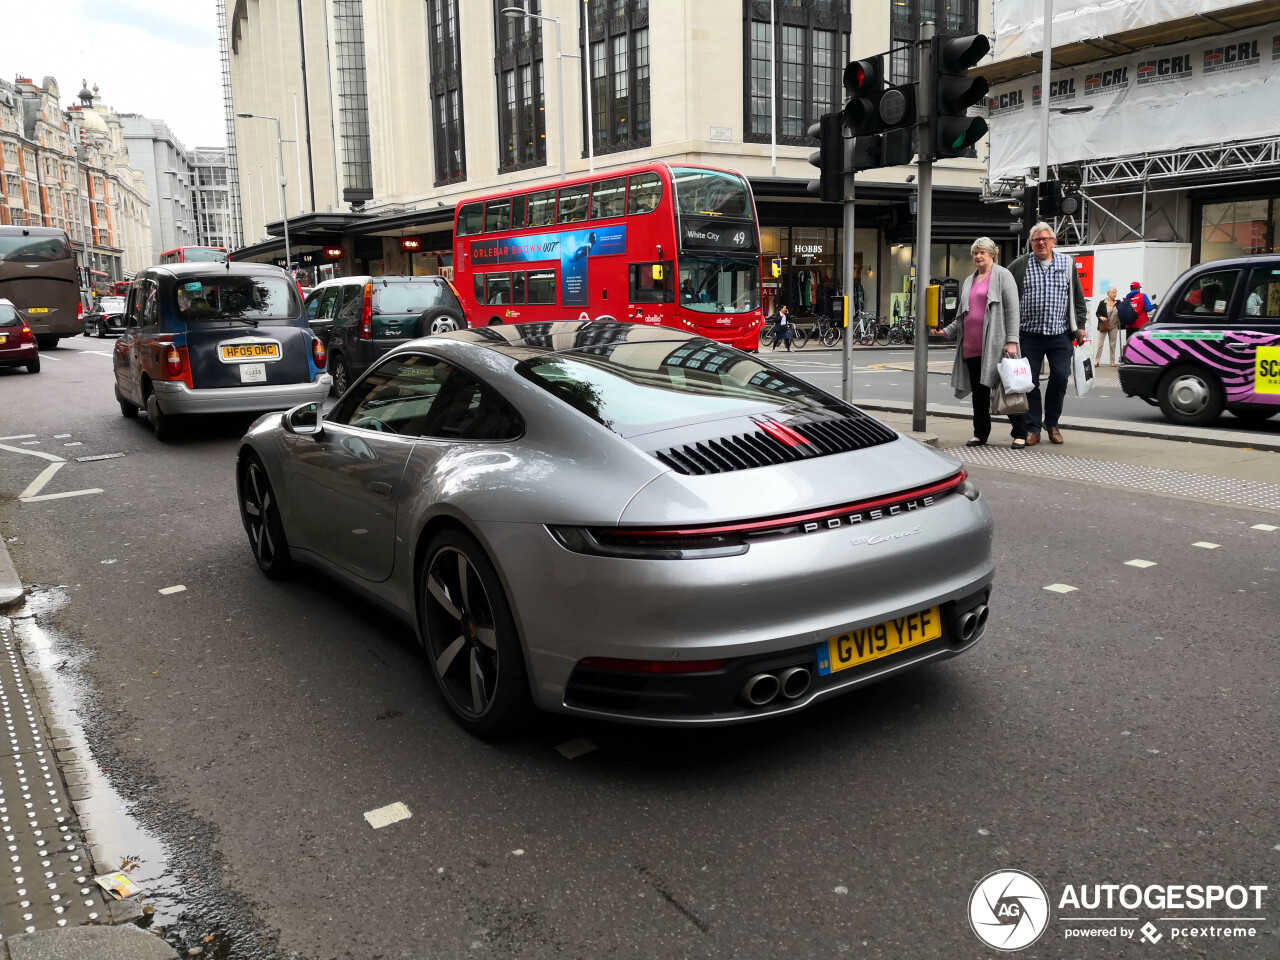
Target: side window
[
  {"x": 312, "y": 304},
  {"x": 479, "y": 287},
  {"x": 133, "y": 305},
  {"x": 517, "y": 212},
  {"x": 541, "y": 286},
  {"x": 1263, "y": 297},
  {"x": 149, "y": 315},
  {"x": 497, "y": 215},
  {"x": 351, "y": 302},
  {"x": 498, "y": 289},
  {"x": 645, "y": 289},
  {"x": 573, "y": 204},
  {"x": 542, "y": 208},
  {"x": 466, "y": 410},
  {"x": 646, "y": 191},
  {"x": 1209, "y": 295},
  {"x": 609, "y": 198},
  {"x": 395, "y": 397},
  {"x": 470, "y": 219},
  {"x": 331, "y": 303},
  {"x": 517, "y": 288}
]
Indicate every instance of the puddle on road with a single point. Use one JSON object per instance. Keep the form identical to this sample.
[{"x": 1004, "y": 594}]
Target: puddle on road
[{"x": 209, "y": 918}]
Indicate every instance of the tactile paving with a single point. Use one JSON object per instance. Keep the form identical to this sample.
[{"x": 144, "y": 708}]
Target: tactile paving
[
  {"x": 46, "y": 874},
  {"x": 1248, "y": 493}
]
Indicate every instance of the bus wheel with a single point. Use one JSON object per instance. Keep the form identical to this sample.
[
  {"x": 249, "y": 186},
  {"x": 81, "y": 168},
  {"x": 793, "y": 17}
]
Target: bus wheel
[{"x": 495, "y": 322}]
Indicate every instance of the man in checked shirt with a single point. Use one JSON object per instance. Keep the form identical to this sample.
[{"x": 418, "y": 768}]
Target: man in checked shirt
[{"x": 1053, "y": 319}]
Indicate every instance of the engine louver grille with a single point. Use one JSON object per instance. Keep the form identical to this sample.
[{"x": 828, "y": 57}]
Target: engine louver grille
[{"x": 758, "y": 449}]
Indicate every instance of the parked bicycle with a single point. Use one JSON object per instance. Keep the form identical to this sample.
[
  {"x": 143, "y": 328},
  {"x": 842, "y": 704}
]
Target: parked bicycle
[{"x": 902, "y": 331}]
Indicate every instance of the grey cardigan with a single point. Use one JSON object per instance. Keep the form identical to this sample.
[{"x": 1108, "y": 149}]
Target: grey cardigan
[{"x": 1000, "y": 326}]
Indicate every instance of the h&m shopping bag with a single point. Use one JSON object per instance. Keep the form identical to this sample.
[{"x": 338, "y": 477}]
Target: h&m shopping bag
[{"x": 1015, "y": 374}]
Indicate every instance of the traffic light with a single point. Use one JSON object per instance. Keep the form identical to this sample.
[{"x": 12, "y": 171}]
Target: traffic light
[
  {"x": 889, "y": 149},
  {"x": 828, "y": 158},
  {"x": 1056, "y": 200},
  {"x": 954, "y": 92},
  {"x": 1025, "y": 200},
  {"x": 873, "y": 106}
]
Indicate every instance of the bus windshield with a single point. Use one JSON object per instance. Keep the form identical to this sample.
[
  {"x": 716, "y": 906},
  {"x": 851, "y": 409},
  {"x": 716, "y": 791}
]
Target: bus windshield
[
  {"x": 19, "y": 249},
  {"x": 711, "y": 193},
  {"x": 203, "y": 255},
  {"x": 719, "y": 284}
]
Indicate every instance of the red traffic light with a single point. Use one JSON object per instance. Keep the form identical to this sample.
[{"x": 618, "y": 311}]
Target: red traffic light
[{"x": 863, "y": 78}]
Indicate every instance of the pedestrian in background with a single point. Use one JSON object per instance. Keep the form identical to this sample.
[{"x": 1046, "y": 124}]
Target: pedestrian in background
[
  {"x": 1053, "y": 318},
  {"x": 1141, "y": 305},
  {"x": 783, "y": 333},
  {"x": 1108, "y": 325},
  {"x": 986, "y": 329}
]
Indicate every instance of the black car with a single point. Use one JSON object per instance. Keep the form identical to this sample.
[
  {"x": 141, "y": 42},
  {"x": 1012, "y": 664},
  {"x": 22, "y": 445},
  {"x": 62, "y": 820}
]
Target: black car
[
  {"x": 107, "y": 317},
  {"x": 215, "y": 338},
  {"x": 361, "y": 318}
]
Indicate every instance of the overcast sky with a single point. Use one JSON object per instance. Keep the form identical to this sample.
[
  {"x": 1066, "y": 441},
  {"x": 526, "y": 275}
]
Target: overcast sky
[{"x": 158, "y": 58}]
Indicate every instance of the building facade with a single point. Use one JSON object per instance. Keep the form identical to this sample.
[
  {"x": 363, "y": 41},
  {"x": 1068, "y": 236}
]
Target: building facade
[
  {"x": 165, "y": 164},
  {"x": 393, "y": 112},
  {"x": 1164, "y": 114},
  {"x": 69, "y": 169},
  {"x": 215, "y": 217}
]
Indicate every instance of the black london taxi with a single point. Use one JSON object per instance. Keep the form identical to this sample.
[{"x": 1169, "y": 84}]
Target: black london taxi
[{"x": 215, "y": 338}]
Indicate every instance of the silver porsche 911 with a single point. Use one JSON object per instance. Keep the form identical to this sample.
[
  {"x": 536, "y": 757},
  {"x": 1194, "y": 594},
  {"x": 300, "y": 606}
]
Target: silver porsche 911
[{"x": 624, "y": 522}]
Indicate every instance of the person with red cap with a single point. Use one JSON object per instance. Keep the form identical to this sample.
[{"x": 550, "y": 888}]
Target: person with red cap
[{"x": 1142, "y": 306}]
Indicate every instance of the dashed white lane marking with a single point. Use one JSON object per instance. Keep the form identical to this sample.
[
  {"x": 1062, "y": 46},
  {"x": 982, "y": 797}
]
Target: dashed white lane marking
[
  {"x": 61, "y": 436},
  {"x": 18, "y": 436},
  {"x": 168, "y": 590},
  {"x": 385, "y": 816},
  {"x": 1206, "y": 545},
  {"x": 1264, "y": 526},
  {"x": 1140, "y": 563},
  {"x": 99, "y": 353},
  {"x": 45, "y": 356},
  {"x": 1061, "y": 588},
  {"x": 74, "y": 443}
]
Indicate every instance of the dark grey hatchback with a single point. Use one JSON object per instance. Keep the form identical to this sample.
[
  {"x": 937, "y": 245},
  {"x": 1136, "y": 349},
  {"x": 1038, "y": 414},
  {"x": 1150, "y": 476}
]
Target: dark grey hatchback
[{"x": 215, "y": 338}]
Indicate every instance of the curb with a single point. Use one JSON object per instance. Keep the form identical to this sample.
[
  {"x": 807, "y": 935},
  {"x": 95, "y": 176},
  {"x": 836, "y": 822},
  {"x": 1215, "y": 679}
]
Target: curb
[{"x": 1154, "y": 431}]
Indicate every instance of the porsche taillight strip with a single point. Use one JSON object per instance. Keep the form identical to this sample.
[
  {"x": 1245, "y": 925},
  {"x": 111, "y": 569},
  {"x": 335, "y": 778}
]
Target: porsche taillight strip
[{"x": 772, "y": 524}]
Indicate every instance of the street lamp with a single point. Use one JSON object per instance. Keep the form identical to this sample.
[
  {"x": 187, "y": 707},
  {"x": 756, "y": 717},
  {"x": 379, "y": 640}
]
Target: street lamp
[
  {"x": 517, "y": 13},
  {"x": 284, "y": 210}
]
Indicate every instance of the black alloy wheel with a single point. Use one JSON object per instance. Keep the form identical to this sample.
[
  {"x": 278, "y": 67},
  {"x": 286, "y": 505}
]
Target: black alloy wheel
[
  {"x": 470, "y": 636},
  {"x": 341, "y": 375},
  {"x": 260, "y": 513}
]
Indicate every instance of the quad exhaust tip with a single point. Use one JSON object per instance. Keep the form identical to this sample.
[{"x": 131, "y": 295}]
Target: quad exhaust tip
[
  {"x": 790, "y": 684},
  {"x": 971, "y": 622},
  {"x": 760, "y": 689}
]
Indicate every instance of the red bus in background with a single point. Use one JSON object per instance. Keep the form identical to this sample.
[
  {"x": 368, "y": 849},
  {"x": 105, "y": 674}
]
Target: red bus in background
[
  {"x": 195, "y": 255},
  {"x": 121, "y": 288},
  {"x": 675, "y": 246}
]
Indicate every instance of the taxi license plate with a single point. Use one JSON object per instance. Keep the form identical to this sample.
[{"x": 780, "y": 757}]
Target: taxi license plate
[
  {"x": 232, "y": 352},
  {"x": 37, "y": 309},
  {"x": 865, "y": 644},
  {"x": 253, "y": 373}
]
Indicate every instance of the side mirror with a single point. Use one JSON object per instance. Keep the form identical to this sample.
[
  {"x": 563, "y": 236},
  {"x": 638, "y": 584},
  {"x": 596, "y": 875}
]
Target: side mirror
[{"x": 304, "y": 420}]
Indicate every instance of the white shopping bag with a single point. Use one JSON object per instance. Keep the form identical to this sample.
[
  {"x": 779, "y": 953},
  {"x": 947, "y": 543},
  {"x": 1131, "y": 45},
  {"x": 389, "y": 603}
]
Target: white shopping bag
[
  {"x": 1015, "y": 374},
  {"x": 1082, "y": 368}
]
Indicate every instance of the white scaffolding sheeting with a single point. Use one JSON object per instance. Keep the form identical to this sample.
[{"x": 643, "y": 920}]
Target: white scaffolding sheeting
[
  {"x": 1019, "y": 24},
  {"x": 1193, "y": 94}
]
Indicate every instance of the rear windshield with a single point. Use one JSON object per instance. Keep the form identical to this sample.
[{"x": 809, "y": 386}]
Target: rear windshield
[
  {"x": 634, "y": 388},
  {"x": 203, "y": 255},
  {"x": 412, "y": 297},
  {"x": 8, "y": 316},
  {"x": 34, "y": 249},
  {"x": 111, "y": 304},
  {"x": 236, "y": 298}
]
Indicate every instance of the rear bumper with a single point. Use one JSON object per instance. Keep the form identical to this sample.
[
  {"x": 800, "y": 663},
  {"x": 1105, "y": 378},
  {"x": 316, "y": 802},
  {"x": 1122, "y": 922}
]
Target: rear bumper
[
  {"x": 178, "y": 398},
  {"x": 1139, "y": 380},
  {"x": 19, "y": 356}
]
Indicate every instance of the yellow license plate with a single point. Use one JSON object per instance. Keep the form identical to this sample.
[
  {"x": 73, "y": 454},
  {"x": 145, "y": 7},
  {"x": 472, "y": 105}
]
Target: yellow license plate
[
  {"x": 865, "y": 644},
  {"x": 37, "y": 309},
  {"x": 250, "y": 351}
]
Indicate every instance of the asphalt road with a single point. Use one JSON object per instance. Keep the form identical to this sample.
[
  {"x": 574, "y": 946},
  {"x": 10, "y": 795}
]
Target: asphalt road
[
  {"x": 1124, "y": 732},
  {"x": 888, "y": 375}
]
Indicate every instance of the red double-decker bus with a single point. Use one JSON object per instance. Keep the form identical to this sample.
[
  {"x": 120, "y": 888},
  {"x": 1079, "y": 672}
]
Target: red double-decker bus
[
  {"x": 675, "y": 246},
  {"x": 195, "y": 255}
]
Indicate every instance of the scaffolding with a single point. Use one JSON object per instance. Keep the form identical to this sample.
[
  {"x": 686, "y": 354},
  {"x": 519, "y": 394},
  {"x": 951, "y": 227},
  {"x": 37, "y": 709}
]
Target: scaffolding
[{"x": 228, "y": 106}]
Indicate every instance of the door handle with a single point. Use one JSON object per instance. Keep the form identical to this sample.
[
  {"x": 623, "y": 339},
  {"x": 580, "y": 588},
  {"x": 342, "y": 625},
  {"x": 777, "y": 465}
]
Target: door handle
[
  {"x": 379, "y": 487},
  {"x": 1240, "y": 347}
]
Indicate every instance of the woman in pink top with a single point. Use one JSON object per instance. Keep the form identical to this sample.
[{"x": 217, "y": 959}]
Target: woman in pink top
[{"x": 987, "y": 329}]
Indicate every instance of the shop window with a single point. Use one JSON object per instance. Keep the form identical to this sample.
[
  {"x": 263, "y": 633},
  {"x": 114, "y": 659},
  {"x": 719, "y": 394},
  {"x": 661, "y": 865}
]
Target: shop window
[{"x": 614, "y": 43}]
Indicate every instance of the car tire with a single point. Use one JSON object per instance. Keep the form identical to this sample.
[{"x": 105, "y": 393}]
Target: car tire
[
  {"x": 46, "y": 342},
  {"x": 128, "y": 410},
  {"x": 260, "y": 514},
  {"x": 33, "y": 366},
  {"x": 473, "y": 649},
  {"x": 436, "y": 320},
  {"x": 1254, "y": 417},
  {"x": 102, "y": 330},
  {"x": 164, "y": 425},
  {"x": 1190, "y": 396},
  {"x": 88, "y": 329},
  {"x": 340, "y": 373}
]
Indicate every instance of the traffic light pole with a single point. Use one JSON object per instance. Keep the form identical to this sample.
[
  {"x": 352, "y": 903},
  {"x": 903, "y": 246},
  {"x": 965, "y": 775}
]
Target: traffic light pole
[
  {"x": 850, "y": 291},
  {"x": 924, "y": 227}
]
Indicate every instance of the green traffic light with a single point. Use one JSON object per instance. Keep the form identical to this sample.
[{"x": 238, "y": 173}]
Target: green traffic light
[{"x": 969, "y": 135}]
